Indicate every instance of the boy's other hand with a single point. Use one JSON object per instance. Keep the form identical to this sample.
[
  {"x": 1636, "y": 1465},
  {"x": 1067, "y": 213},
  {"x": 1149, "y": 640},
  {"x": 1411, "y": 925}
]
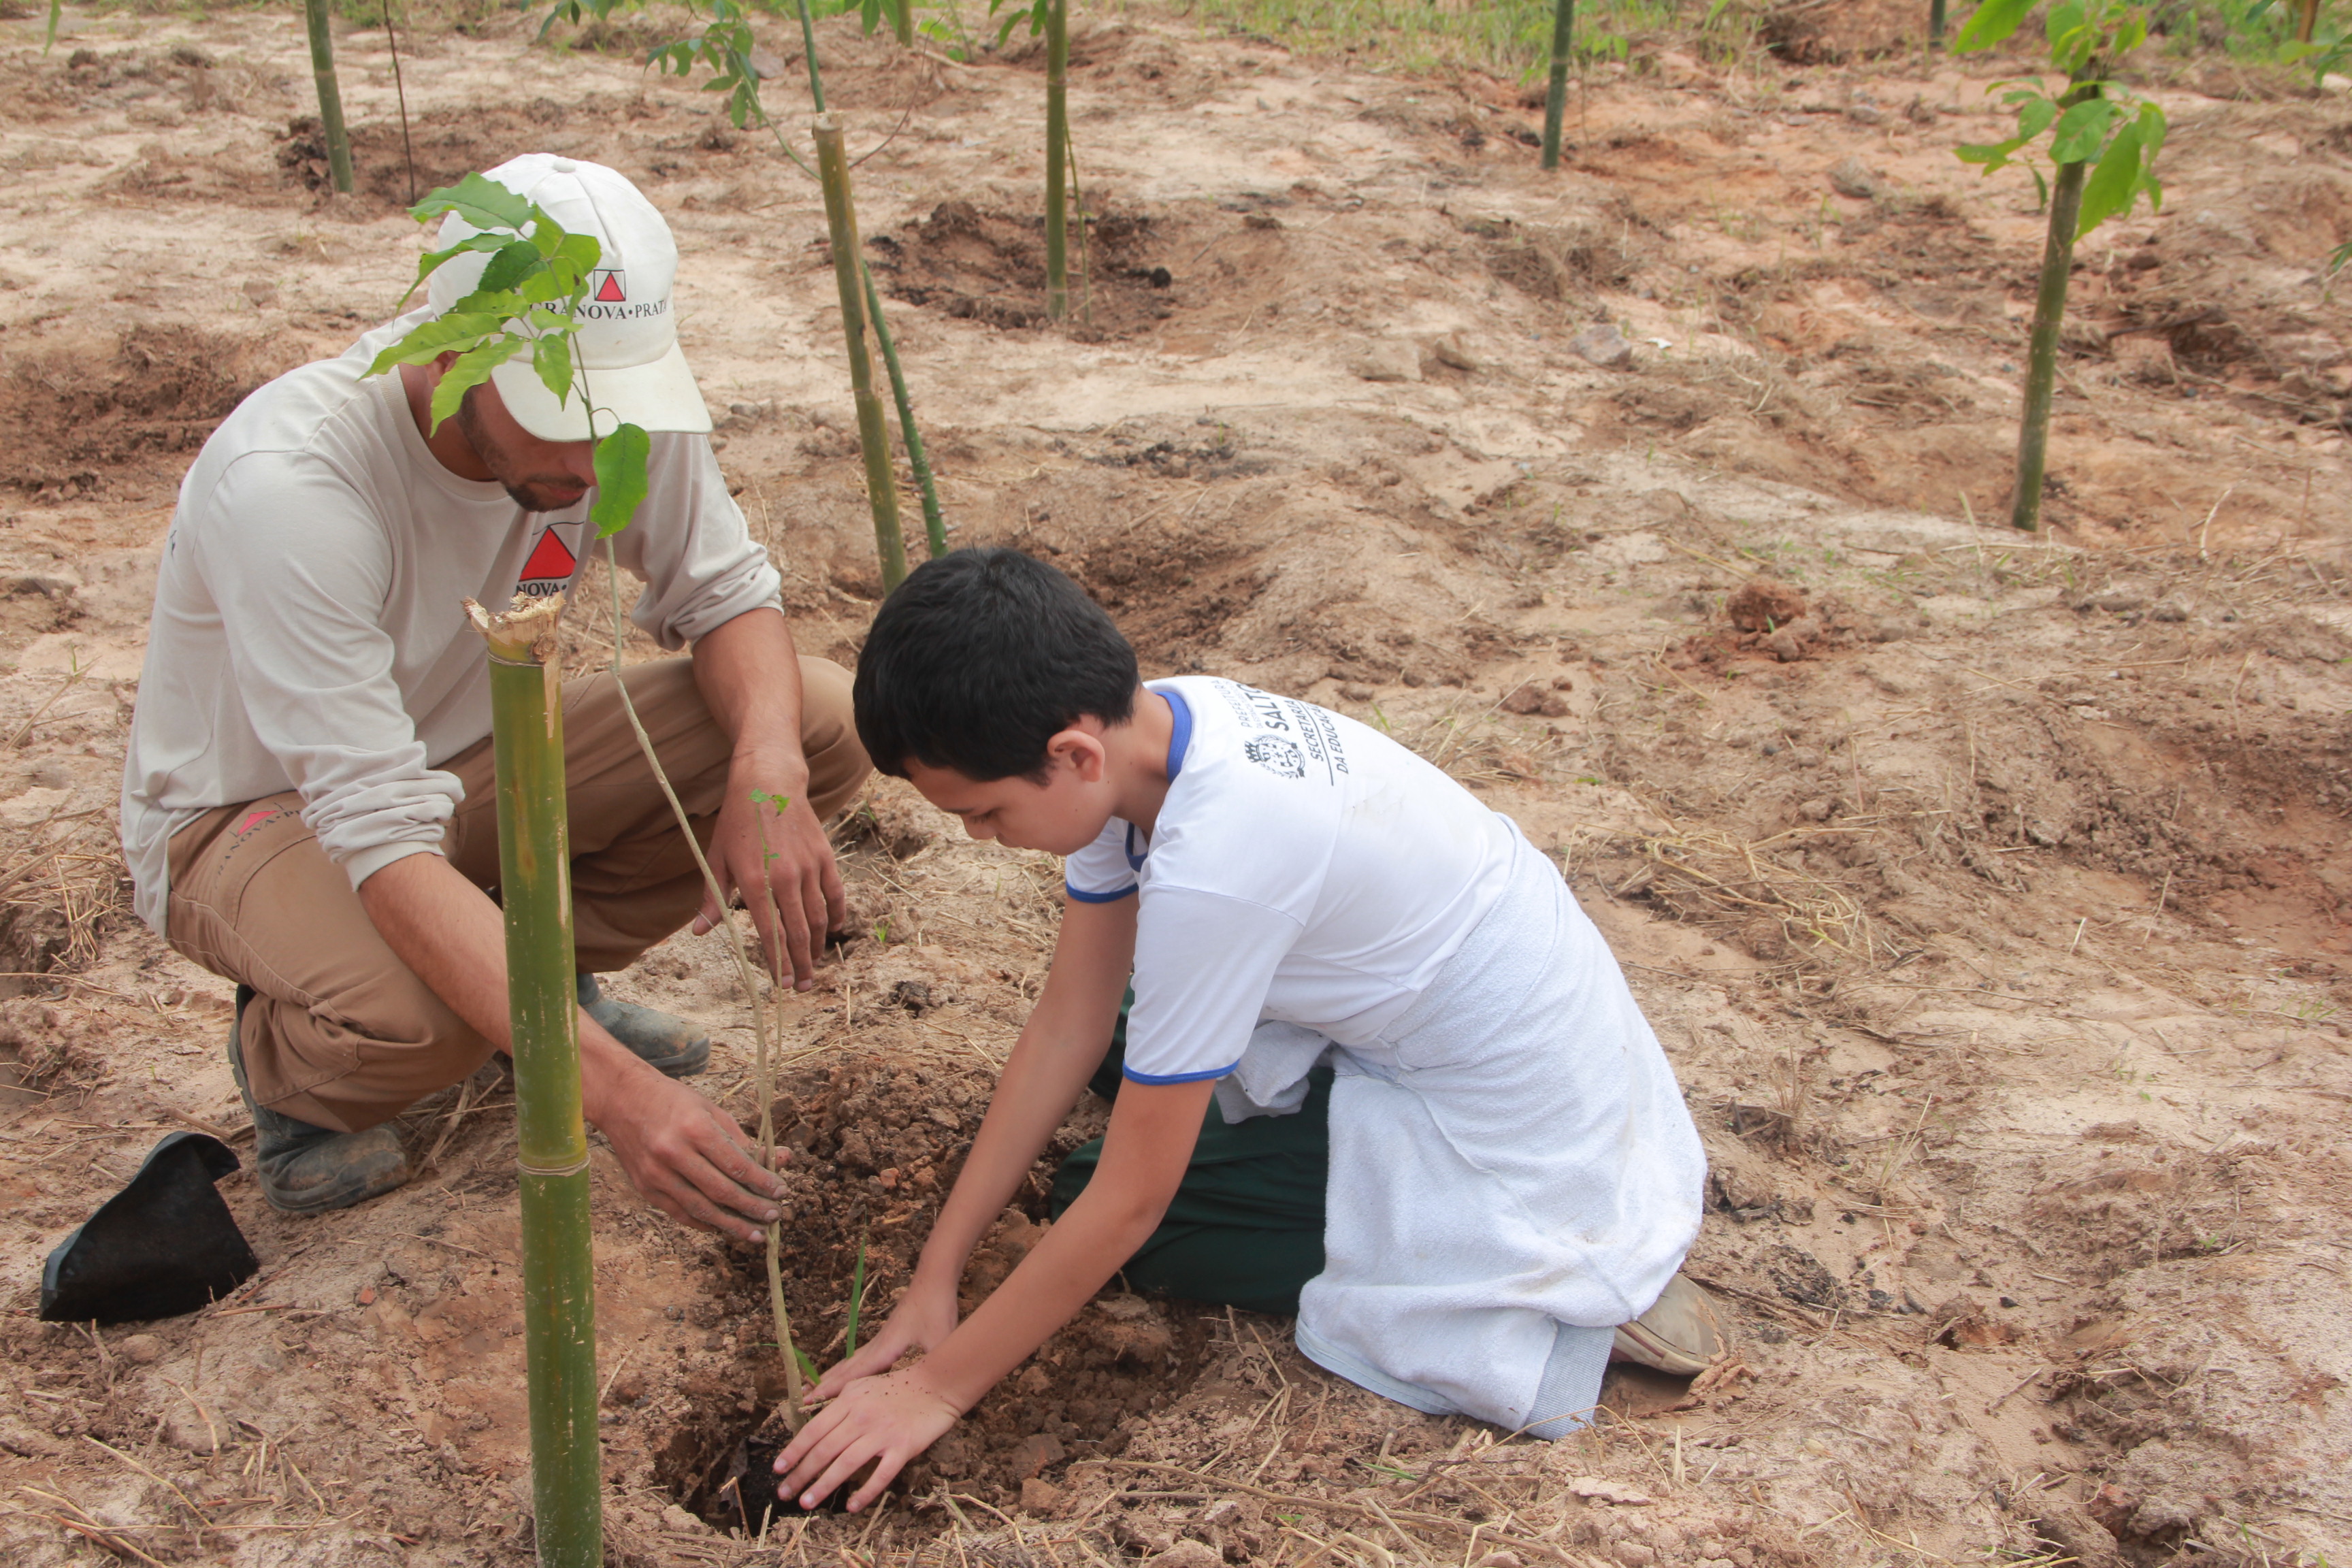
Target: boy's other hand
[
  {"x": 886, "y": 1420},
  {"x": 924, "y": 1317}
]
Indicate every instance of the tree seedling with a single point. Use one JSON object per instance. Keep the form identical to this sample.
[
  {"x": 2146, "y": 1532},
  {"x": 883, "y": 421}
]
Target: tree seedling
[{"x": 2103, "y": 144}]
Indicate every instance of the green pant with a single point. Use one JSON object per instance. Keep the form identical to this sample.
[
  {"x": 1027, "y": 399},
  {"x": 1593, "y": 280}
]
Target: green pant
[{"x": 1245, "y": 1228}]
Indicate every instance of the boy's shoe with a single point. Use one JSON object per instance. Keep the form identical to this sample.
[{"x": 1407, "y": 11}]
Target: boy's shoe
[
  {"x": 310, "y": 1170},
  {"x": 667, "y": 1044},
  {"x": 1681, "y": 1334}
]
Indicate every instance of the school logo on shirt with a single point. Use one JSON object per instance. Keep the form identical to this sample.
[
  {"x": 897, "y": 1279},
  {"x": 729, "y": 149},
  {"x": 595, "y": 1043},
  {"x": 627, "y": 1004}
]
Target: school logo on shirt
[
  {"x": 550, "y": 567},
  {"x": 1275, "y": 754}
]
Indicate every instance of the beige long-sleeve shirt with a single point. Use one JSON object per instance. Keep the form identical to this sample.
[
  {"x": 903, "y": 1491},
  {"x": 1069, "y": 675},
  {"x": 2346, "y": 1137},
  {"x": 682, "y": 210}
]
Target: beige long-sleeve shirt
[{"x": 308, "y": 630}]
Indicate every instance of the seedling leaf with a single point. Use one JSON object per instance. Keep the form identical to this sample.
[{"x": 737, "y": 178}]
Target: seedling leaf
[
  {"x": 2113, "y": 184},
  {"x": 551, "y": 356},
  {"x": 1994, "y": 21},
  {"x": 621, "y": 481},
  {"x": 472, "y": 369},
  {"x": 856, "y": 1301},
  {"x": 482, "y": 202},
  {"x": 2082, "y": 130}
]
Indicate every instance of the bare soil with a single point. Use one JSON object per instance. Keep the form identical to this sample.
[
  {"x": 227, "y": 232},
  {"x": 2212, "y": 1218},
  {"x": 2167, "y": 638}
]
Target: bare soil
[{"x": 1989, "y": 893}]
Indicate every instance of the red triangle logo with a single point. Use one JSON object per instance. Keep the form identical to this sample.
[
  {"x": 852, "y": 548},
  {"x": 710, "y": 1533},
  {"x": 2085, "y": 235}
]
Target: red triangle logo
[
  {"x": 609, "y": 294},
  {"x": 550, "y": 561}
]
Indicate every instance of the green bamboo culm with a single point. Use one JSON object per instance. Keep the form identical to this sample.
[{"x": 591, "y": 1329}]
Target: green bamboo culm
[
  {"x": 1058, "y": 141},
  {"x": 331, "y": 96},
  {"x": 935, "y": 527},
  {"x": 1935, "y": 23},
  {"x": 2048, "y": 316},
  {"x": 1563, "y": 26},
  {"x": 551, "y": 1152},
  {"x": 873, "y": 428}
]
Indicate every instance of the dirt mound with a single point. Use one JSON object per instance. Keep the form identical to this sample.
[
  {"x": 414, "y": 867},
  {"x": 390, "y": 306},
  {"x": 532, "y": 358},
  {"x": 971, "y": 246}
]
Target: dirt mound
[
  {"x": 989, "y": 266},
  {"x": 85, "y": 409},
  {"x": 879, "y": 1144},
  {"x": 447, "y": 145}
]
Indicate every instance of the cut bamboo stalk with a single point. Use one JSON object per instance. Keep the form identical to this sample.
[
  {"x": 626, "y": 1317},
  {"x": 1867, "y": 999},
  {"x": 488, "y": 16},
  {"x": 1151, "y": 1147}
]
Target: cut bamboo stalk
[
  {"x": 935, "y": 527},
  {"x": 331, "y": 97},
  {"x": 1935, "y": 23},
  {"x": 551, "y": 1140},
  {"x": 1563, "y": 27},
  {"x": 873, "y": 428},
  {"x": 1058, "y": 141},
  {"x": 2049, "y": 317}
]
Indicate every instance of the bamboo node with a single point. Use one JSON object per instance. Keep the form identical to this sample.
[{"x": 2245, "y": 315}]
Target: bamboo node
[{"x": 571, "y": 1168}]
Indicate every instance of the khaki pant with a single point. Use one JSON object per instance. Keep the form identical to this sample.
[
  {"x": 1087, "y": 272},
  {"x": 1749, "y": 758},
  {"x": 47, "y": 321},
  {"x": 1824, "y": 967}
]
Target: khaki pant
[{"x": 340, "y": 1033}]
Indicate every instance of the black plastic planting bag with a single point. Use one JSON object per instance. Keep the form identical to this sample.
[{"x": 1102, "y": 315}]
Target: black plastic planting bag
[{"x": 163, "y": 1245}]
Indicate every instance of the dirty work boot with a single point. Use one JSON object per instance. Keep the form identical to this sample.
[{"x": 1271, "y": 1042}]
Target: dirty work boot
[
  {"x": 667, "y": 1045},
  {"x": 310, "y": 1170},
  {"x": 1680, "y": 1334}
]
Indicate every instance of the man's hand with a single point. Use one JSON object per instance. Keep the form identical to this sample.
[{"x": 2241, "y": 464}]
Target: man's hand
[
  {"x": 684, "y": 1154},
  {"x": 926, "y": 1316},
  {"x": 778, "y": 863},
  {"x": 888, "y": 1420}
]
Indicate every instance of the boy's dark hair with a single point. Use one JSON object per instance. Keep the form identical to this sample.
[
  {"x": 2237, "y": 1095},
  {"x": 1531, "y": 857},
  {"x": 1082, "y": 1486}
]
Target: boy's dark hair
[{"x": 981, "y": 656}]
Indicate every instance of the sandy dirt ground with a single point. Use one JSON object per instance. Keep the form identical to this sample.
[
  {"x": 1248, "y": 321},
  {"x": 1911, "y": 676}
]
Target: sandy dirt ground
[{"x": 1993, "y": 908}]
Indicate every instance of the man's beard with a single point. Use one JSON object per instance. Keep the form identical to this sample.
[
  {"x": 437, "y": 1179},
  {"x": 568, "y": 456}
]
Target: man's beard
[{"x": 531, "y": 492}]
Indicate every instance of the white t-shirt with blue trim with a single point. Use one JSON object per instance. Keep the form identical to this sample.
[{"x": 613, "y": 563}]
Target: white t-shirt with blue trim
[{"x": 1304, "y": 868}]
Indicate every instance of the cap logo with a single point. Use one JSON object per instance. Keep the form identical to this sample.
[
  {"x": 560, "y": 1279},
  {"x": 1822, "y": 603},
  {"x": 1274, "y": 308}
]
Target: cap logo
[{"x": 614, "y": 290}]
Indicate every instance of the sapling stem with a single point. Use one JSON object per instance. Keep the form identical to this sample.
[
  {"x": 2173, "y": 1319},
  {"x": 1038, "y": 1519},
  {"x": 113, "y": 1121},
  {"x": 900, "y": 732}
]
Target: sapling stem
[
  {"x": 1563, "y": 27},
  {"x": 935, "y": 527},
  {"x": 808, "y": 53},
  {"x": 399, "y": 89},
  {"x": 856, "y": 1302},
  {"x": 744, "y": 973},
  {"x": 331, "y": 96},
  {"x": 873, "y": 429},
  {"x": 1058, "y": 141},
  {"x": 2049, "y": 317},
  {"x": 550, "y": 1137}
]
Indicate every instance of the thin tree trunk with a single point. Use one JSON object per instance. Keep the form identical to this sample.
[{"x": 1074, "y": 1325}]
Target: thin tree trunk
[
  {"x": 552, "y": 1141},
  {"x": 1935, "y": 23},
  {"x": 331, "y": 97},
  {"x": 2041, "y": 352},
  {"x": 1563, "y": 23},
  {"x": 907, "y": 23},
  {"x": 2309, "y": 23},
  {"x": 873, "y": 429},
  {"x": 1058, "y": 141},
  {"x": 935, "y": 527}
]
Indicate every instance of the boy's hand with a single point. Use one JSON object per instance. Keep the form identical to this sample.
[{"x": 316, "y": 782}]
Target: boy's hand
[
  {"x": 923, "y": 1318},
  {"x": 888, "y": 1420}
]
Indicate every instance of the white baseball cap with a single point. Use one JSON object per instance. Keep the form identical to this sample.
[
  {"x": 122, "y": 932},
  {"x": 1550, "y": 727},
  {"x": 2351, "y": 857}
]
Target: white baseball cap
[{"x": 628, "y": 340}]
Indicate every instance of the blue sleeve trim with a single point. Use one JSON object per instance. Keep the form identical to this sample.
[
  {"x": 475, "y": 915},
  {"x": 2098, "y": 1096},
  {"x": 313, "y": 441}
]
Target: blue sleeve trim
[
  {"x": 1134, "y": 1076},
  {"x": 1086, "y": 898}
]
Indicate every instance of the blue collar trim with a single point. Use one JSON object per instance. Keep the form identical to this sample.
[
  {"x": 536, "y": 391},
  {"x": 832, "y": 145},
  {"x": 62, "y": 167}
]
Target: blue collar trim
[{"x": 1180, "y": 740}]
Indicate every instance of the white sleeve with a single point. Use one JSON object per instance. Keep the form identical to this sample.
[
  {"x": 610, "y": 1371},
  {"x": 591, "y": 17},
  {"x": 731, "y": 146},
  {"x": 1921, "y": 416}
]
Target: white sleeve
[
  {"x": 1101, "y": 873},
  {"x": 1204, "y": 963},
  {"x": 690, "y": 547},
  {"x": 299, "y": 569}
]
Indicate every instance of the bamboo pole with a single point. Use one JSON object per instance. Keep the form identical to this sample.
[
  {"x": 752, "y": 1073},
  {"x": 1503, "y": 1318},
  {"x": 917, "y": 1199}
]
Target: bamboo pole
[
  {"x": 873, "y": 429},
  {"x": 551, "y": 1141},
  {"x": 1057, "y": 139},
  {"x": 331, "y": 97},
  {"x": 935, "y": 527},
  {"x": 2048, "y": 316},
  {"x": 1563, "y": 24},
  {"x": 905, "y": 21},
  {"x": 1935, "y": 23}
]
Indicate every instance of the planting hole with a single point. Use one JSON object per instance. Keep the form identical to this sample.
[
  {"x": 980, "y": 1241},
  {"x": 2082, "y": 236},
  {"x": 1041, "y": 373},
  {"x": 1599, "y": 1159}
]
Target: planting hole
[{"x": 875, "y": 1147}]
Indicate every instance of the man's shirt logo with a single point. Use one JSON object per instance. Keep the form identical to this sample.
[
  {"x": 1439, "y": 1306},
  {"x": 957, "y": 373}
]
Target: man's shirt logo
[{"x": 550, "y": 567}]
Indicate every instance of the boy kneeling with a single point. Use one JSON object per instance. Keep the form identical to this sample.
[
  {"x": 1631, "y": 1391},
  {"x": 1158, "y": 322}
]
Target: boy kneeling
[{"x": 1511, "y": 1172}]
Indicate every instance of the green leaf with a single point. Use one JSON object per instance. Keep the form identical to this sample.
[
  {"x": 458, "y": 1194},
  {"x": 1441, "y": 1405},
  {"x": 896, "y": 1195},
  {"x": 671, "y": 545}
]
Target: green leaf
[
  {"x": 472, "y": 369},
  {"x": 455, "y": 332},
  {"x": 621, "y": 482},
  {"x": 2112, "y": 184},
  {"x": 2034, "y": 118},
  {"x": 484, "y": 203},
  {"x": 1994, "y": 21},
  {"x": 574, "y": 259},
  {"x": 551, "y": 356},
  {"x": 514, "y": 260},
  {"x": 56, "y": 14},
  {"x": 2082, "y": 130}
]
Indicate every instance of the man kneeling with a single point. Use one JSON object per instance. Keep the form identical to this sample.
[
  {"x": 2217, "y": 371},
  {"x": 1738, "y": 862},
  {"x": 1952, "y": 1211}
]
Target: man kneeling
[
  {"x": 1379, "y": 1067},
  {"x": 307, "y": 803}
]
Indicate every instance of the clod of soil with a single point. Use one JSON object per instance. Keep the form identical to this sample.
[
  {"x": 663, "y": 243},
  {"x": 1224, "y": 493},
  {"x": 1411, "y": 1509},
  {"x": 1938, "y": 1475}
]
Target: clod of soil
[
  {"x": 876, "y": 1147},
  {"x": 987, "y": 266}
]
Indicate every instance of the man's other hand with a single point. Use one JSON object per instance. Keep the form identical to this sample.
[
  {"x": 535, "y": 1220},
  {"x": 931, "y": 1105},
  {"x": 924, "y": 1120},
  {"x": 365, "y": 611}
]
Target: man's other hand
[
  {"x": 779, "y": 864},
  {"x": 682, "y": 1152}
]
